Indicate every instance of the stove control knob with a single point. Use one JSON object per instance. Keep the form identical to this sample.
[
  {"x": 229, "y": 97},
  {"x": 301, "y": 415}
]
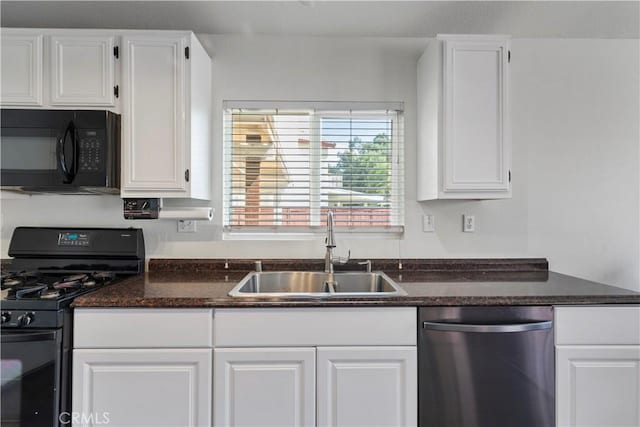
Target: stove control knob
[
  {"x": 25, "y": 319},
  {"x": 6, "y": 316}
]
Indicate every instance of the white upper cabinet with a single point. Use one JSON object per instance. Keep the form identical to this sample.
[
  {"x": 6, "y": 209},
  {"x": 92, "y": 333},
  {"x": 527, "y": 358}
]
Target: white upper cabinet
[
  {"x": 159, "y": 81},
  {"x": 83, "y": 70},
  {"x": 165, "y": 116},
  {"x": 21, "y": 68},
  {"x": 154, "y": 107},
  {"x": 464, "y": 146},
  {"x": 58, "y": 68}
]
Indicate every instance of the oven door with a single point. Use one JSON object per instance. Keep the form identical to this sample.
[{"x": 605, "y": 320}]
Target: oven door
[
  {"x": 38, "y": 148},
  {"x": 30, "y": 370}
]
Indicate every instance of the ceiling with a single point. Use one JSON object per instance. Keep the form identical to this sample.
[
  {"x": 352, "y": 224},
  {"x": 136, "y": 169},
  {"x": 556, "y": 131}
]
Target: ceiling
[{"x": 524, "y": 19}]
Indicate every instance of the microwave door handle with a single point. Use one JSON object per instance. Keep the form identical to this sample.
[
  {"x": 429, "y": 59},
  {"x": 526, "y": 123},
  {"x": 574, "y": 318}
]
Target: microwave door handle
[
  {"x": 75, "y": 165},
  {"x": 62, "y": 160}
]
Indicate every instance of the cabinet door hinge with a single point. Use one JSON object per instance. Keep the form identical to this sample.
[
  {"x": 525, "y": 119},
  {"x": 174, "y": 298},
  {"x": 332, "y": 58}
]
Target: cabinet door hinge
[
  {"x": 116, "y": 91},
  {"x": 509, "y": 176},
  {"x": 186, "y": 52},
  {"x": 116, "y": 52},
  {"x": 186, "y": 175},
  {"x": 509, "y": 56}
]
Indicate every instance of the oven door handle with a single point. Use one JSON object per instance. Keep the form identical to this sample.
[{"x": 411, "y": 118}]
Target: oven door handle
[{"x": 28, "y": 336}]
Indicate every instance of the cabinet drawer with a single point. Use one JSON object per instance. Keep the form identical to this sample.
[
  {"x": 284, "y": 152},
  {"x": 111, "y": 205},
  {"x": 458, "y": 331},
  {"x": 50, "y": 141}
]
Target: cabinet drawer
[
  {"x": 315, "y": 327},
  {"x": 142, "y": 328},
  {"x": 596, "y": 325}
]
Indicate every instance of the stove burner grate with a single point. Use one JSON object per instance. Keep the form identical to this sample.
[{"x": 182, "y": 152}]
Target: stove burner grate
[{"x": 34, "y": 285}]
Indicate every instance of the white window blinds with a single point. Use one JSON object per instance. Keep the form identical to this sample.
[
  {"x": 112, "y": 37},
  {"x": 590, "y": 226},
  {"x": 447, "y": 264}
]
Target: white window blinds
[{"x": 287, "y": 165}]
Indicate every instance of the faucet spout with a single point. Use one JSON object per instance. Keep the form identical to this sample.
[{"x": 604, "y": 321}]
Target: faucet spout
[
  {"x": 331, "y": 239},
  {"x": 330, "y": 243}
]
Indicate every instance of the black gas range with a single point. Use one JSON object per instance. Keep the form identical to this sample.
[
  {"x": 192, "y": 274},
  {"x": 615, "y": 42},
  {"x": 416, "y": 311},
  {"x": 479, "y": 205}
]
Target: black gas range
[{"x": 51, "y": 267}]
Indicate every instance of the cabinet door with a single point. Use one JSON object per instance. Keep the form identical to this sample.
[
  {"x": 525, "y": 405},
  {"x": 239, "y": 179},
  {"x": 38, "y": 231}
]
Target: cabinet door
[
  {"x": 264, "y": 387},
  {"x": 82, "y": 70},
  {"x": 598, "y": 385},
  {"x": 153, "y": 121},
  {"x": 476, "y": 147},
  {"x": 142, "y": 387},
  {"x": 21, "y": 69},
  {"x": 367, "y": 386}
]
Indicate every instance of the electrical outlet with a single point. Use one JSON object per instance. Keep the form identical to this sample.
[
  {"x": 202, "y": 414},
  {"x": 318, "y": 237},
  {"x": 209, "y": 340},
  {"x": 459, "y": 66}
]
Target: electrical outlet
[
  {"x": 186, "y": 226},
  {"x": 468, "y": 223},
  {"x": 428, "y": 224}
]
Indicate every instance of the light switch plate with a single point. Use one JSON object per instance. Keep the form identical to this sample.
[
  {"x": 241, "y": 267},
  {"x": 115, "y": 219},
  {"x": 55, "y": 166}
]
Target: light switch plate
[{"x": 428, "y": 223}]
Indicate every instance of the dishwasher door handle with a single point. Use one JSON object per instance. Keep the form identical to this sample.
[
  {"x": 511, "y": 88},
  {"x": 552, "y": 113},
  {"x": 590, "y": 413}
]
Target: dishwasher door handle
[{"x": 464, "y": 327}]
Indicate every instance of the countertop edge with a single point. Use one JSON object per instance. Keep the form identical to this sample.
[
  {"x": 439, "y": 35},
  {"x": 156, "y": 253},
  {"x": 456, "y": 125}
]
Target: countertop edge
[{"x": 87, "y": 302}]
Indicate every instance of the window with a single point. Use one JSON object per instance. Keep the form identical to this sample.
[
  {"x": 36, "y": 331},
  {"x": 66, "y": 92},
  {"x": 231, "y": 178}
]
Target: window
[{"x": 287, "y": 164}]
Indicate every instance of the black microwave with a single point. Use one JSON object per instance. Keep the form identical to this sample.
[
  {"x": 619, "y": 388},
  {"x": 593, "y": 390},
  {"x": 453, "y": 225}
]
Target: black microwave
[{"x": 60, "y": 151}]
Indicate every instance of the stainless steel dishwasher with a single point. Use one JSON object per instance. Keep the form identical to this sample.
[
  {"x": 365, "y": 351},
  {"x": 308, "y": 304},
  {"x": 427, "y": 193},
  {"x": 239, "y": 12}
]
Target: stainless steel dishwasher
[{"x": 486, "y": 367}]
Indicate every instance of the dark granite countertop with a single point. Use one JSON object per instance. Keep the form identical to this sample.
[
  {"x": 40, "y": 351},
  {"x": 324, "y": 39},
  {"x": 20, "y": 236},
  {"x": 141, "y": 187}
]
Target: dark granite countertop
[{"x": 202, "y": 283}]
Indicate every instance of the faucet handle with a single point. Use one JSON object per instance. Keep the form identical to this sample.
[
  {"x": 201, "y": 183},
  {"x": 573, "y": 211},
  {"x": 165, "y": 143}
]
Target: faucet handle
[
  {"x": 341, "y": 260},
  {"x": 367, "y": 263}
]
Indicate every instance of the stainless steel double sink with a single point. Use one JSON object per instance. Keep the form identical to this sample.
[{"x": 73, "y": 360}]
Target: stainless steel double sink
[{"x": 313, "y": 284}]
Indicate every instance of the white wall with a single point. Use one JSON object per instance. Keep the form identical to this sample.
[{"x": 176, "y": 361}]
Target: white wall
[
  {"x": 287, "y": 68},
  {"x": 576, "y": 110}
]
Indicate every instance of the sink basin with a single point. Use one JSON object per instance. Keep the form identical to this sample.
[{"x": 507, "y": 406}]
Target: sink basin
[{"x": 311, "y": 284}]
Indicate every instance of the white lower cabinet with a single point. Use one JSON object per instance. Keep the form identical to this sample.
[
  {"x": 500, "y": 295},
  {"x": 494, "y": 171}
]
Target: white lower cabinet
[
  {"x": 356, "y": 386},
  {"x": 156, "y": 374},
  {"x": 598, "y": 385},
  {"x": 598, "y": 366},
  {"x": 150, "y": 387},
  {"x": 367, "y": 386},
  {"x": 264, "y": 387},
  {"x": 252, "y": 367},
  {"x": 315, "y": 366}
]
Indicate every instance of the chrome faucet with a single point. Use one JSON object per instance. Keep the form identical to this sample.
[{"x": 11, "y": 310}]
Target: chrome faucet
[
  {"x": 330, "y": 243},
  {"x": 329, "y": 259}
]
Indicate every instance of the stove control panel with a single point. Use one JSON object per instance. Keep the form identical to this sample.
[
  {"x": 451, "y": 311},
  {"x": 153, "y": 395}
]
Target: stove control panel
[
  {"x": 32, "y": 319},
  {"x": 72, "y": 238},
  {"x": 105, "y": 246}
]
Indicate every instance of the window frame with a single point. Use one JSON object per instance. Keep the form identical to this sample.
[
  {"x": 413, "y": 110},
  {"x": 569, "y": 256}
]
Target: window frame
[{"x": 319, "y": 110}]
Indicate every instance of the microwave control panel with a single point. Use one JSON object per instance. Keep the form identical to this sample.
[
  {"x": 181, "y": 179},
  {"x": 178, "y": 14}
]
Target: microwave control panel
[{"x": 91, "y": 151}]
